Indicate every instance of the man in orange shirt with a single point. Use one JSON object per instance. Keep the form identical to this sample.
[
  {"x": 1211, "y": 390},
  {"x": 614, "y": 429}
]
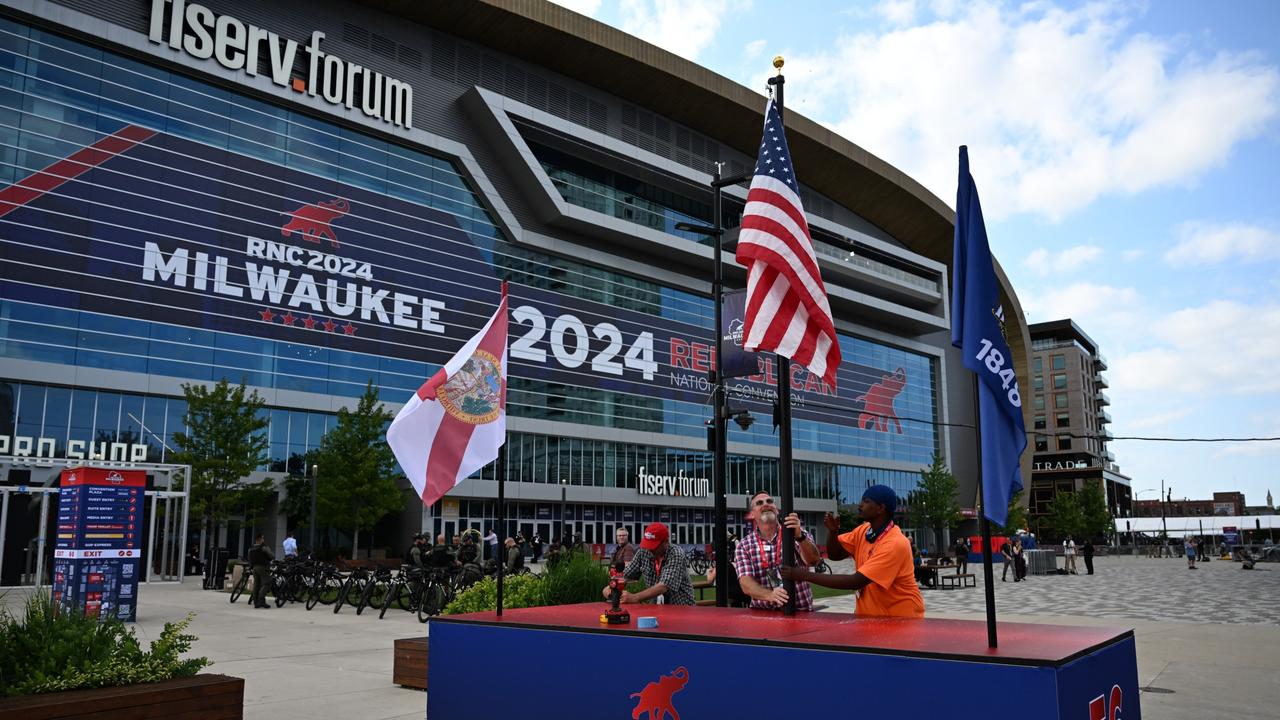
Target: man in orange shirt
[{"x": 885, "y": 579}]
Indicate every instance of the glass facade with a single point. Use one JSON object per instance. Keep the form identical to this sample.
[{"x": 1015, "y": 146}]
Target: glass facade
[{"x": 421, "y": 225}]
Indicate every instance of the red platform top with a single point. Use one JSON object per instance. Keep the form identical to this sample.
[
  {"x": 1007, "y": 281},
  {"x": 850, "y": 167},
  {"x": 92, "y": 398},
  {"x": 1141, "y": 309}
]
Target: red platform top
[{"x": 1020, "y": 643}]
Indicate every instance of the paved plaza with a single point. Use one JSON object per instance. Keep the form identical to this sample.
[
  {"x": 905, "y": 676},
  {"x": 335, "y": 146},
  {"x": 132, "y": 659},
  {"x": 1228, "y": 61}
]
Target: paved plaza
[
  {"x": 1208, "y": 640},
  {"x": 1125, "y": 587}
]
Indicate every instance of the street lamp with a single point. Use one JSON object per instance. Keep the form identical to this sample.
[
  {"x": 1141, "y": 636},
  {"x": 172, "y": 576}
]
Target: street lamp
[
  {"x": 315, "y": 472},
  {"x": 1136, "y": 496},
  {"x": 564, "y": 541},
  {"x": 720, "y": 404}
]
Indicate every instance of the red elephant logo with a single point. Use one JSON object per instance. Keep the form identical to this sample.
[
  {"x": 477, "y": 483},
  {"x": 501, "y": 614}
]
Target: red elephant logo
[
  {"x": 655, "y": 698},
  {"x": 313, "y": 220},
  {"x": 1104, "y": 708},
  {"x": 878, "y": 407}
]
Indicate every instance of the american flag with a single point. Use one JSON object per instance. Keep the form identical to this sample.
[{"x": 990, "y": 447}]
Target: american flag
[{"x": 787, "y": 309}]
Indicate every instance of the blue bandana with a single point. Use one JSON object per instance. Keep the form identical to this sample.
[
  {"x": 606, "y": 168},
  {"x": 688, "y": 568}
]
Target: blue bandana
[{"x": 884, "y": 495}]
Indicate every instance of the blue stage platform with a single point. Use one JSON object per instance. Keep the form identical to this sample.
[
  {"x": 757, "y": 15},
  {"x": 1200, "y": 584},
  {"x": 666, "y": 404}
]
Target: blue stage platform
[{"x": 705, "y": 662}]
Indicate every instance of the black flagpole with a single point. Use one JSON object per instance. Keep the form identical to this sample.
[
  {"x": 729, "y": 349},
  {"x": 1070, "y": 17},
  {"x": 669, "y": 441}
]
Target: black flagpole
[
  {"x": 988, "y": 573},
  {"x": 786, "y": 489},
  {"x": 501, "y": 467}
]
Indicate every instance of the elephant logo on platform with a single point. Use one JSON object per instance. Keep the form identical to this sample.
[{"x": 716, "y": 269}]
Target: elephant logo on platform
[
  {"x": 878, "y": 407},
  {"x": 312, "y": 221},
  {"x": 1104, "y": 708},
  {"x": 655, "y": 698}
]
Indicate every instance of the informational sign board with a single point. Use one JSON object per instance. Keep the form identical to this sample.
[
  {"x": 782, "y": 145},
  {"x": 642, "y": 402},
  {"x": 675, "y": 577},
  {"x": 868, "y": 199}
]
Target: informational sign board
[
  {"x": 1230, "y": 536},
  {"x": 183, "y": 233},
  {"x": 98, "y": 556}
]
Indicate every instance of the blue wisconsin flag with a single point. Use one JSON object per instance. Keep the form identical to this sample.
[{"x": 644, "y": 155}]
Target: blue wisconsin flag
[{"x": 977, "y": 328}]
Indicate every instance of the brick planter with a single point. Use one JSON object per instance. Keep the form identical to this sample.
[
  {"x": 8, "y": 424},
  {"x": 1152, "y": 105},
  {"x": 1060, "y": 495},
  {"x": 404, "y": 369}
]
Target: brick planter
[
  {"x": 202, "y": 697},
  {"x": 410, "y": 669}
]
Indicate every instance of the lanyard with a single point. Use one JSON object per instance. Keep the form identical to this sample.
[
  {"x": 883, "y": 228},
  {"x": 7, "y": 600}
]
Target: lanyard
[
  {"x": 874, "y": 535},
  {"x": 777, "y": 545},
  {"x": 657, "y": 566}
]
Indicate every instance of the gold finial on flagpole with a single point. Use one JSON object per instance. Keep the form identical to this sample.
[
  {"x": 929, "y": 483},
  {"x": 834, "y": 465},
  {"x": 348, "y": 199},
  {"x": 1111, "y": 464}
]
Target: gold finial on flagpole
[{"x": 777, "y": 63}]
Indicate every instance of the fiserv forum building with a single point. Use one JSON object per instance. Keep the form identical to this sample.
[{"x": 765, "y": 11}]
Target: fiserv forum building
[{"x": 311, "y": 195}]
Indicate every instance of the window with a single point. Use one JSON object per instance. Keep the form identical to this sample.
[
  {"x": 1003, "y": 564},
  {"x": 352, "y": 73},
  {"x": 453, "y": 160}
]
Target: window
[
  {"x": 1059, "y": 381},
  {"x": 1042, "y": 443},
  {"x": 1060, "y": 401},
  {"x": 1040, "y": 422},
  {"x": 1063, "y": 420},
  {"x": 1038, "y": 364},
  {"x": 1039, "y": 402},
  {"x": 1038, "y": 383},
  {"x": 1064, "y": 442},
  {"x": 1059, "y": 362}
]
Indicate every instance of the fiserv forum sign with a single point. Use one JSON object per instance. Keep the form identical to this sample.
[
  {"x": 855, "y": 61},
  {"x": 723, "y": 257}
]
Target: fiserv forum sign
[{"x": 195, "y": 29}]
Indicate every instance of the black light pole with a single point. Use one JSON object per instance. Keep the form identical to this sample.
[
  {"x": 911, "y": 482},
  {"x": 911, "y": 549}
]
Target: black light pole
[
  {"x": 315, "y": 472},
  {"x": 564, "y": 544},
  {"x": 501, "y": 468},
  {"x": 720, "y": 403},
  {"x": 1164, "y": 527}
]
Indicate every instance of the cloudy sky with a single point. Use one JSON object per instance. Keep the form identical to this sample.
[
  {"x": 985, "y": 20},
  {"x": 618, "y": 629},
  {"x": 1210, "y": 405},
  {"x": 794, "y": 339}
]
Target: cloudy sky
[{"x": 1128, "y": 157}]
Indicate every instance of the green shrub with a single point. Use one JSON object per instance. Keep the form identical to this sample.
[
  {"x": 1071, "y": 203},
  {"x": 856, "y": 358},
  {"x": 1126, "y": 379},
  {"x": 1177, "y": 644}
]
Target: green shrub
[
  {"x": 50, "y": 649},
  {"x": 576, "y": 579},
  {"x": 518, "y": 591}
]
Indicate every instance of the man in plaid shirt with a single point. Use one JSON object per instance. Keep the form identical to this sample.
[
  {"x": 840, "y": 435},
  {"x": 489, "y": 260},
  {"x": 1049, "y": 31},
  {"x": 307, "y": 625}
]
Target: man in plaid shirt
[
  {"x": 662, "y": 567},
  {"x": 758, "y": 558}
]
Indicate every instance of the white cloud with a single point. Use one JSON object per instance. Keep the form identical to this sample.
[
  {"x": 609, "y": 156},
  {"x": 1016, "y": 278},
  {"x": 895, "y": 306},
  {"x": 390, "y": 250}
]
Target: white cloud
[
  {"x": 1089, "y": 304},
  {"x": 1043, "y": 262},
  {"x": 1202, "y": 243},
  {"x": 1219, "y": 349},
  {"x": 1131, "y": 255},
  {"x": 683, "y": 27},
  {"x": 897, "y": 12},
  {"x": 754, "y": 48},
  {"x": 1059, "y": 107},
  {"x": 582, "y": 7}
]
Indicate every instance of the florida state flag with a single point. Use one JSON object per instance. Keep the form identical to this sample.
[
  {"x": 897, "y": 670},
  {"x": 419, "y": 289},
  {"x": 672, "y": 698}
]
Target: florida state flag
[{"x": 455, "y": 423}]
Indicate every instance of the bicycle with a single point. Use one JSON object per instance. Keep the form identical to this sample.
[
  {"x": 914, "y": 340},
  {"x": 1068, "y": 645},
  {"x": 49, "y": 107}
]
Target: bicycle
[
  {"x": 352, "y": 589},
  {"x": 700, "y": 562},
  {"x": 405, "y": 589},
  {"x": 375, "y": 590},
  {"x": 326, "y": 585},
  {"x": 241, "y": 585}
]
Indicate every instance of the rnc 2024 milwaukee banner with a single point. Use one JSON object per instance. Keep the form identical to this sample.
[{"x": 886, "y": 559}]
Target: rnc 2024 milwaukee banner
[{"x": 151, "y": 226}]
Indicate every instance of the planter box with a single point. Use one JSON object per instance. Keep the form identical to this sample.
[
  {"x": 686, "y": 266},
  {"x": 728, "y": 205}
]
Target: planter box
[
  {"x": 410, "y": 669},
  {"x": 202, "y": 697}
]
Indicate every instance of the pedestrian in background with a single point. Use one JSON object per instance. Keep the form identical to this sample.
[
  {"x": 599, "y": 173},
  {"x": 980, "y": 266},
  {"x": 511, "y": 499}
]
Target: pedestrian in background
[
  {"x": 537, "y": 547},
  {"x": 962, "y": 555},
  {"x": 491, "y": 545},
  {"x": 1019, "y": 562},
  {"x": 1189, "y": 548},
  {"x": 290, "y": 546},
  {"x": 260, "y": 557},
  {"x": 1069, "y": 555},
  {"x": 1006, "y": 551},
  {"x": 1088, "y": 555}
]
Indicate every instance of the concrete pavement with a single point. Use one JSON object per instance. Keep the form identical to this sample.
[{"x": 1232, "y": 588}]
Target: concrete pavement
[{"x": 301, "y": 665}]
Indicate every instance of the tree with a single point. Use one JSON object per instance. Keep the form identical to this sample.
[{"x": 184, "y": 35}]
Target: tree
[
  {"x": 223, "y": 443},
  {"x": 935, "y": 498},
  {"x": 1016, "y": 519},
  {"x": 1097, "y": 519},
  {"x": 1065, "y": 516},
  {"x": 356, "y": 485}
]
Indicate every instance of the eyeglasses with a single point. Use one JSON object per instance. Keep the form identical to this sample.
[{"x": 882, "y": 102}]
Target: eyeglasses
[{"x": 764, "y": 501}]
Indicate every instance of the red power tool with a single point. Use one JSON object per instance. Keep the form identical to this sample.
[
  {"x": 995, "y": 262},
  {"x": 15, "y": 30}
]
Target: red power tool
[{"x": 615, "y": 615}]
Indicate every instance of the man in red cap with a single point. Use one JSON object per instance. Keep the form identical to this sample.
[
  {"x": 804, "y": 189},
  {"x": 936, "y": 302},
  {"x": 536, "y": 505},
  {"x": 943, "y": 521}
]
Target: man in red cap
[{"x": 662, "y": 567}]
